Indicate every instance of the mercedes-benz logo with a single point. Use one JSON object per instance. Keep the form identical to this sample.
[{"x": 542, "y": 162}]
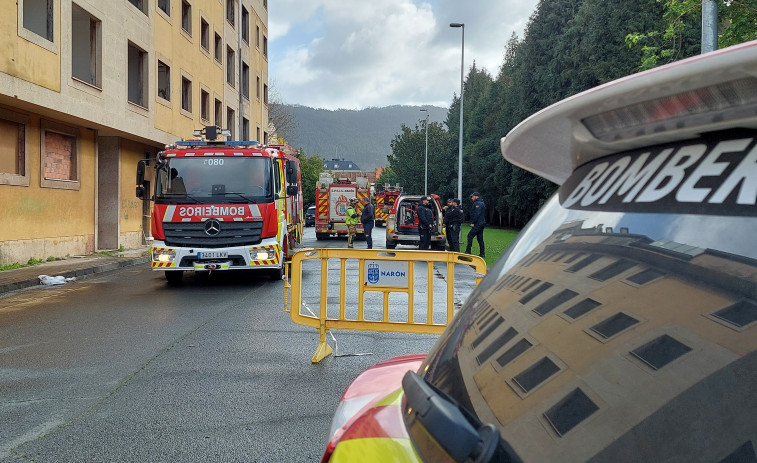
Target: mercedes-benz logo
[{"x": 212, "y": 227}]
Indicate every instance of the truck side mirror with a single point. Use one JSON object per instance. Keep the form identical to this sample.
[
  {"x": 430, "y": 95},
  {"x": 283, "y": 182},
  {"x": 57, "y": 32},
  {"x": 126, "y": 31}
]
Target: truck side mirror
[
  {"x": 293, "y": 190},
  {"x": 291, "y": 172}
]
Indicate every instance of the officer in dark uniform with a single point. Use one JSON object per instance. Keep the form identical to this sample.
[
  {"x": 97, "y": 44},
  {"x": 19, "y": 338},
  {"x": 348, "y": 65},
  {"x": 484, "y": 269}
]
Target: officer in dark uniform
[
  {"x": 478, "y": 222},
  {"x": 453, "y": 220},
  {"x": 425, "y": 221}
]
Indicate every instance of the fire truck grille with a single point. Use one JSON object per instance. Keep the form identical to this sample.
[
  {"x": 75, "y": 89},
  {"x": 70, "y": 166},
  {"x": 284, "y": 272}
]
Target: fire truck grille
[{"x": 192, "y": 234}]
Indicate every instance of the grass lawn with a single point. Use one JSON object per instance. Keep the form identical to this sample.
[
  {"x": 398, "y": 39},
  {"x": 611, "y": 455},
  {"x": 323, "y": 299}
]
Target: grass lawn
[{"x": 496, "y": 240}]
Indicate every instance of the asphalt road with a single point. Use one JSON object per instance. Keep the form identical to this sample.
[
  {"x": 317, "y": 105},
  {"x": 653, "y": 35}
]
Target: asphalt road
[{"x": 122, "y": 367}]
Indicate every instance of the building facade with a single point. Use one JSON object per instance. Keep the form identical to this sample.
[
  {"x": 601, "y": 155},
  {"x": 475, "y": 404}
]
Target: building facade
[{"x": 88, "y": 88}]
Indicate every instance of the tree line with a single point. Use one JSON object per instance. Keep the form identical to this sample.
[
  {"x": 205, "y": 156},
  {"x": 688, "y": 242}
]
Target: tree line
[{"x": 568, "y": 46}]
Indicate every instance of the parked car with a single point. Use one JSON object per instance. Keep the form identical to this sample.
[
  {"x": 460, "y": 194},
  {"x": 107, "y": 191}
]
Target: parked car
[
  {"x": 621, "y": 325},
  {"x": 310, "y": 217},
  {"x": 402, "y": 225}
]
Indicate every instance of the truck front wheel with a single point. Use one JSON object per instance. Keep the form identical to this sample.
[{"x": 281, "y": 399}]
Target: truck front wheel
[
  {"x": 277, "y": 273},
  {"x": 174, "y": 276}
]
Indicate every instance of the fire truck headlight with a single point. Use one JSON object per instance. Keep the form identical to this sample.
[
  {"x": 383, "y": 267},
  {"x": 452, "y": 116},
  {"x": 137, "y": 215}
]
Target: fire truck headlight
[
  {"x": 163, "y": 255},
  {"x": 265, "y": 254}
]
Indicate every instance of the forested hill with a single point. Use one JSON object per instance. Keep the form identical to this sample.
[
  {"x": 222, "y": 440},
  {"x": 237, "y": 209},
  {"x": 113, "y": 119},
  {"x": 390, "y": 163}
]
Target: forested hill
[{"x": 362, "y": 136}]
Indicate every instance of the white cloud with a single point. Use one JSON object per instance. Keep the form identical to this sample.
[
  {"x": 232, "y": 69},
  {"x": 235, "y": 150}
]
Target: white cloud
[{"x": 347, "y": 54}]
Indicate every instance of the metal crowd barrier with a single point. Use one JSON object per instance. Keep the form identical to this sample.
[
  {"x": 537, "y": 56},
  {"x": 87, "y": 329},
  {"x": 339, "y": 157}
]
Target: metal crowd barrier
[{"x": 384, "y": 271}]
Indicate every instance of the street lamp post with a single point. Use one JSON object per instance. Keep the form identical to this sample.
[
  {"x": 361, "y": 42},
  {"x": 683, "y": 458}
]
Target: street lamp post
[
  {"x": 425, "y": 174},
  {"x": 460, "y": 142}
]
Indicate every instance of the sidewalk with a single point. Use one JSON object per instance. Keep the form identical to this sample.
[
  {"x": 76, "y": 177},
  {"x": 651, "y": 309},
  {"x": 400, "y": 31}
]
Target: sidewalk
[{"x": 77, "y": 266}]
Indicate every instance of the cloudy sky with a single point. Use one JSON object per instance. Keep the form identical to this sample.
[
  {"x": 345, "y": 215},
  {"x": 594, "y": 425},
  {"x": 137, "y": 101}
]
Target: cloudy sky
[{"x": 355, "y": 54}]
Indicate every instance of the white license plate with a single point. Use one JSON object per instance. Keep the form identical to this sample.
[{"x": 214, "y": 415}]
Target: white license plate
[{"x": 213, "y": 255}]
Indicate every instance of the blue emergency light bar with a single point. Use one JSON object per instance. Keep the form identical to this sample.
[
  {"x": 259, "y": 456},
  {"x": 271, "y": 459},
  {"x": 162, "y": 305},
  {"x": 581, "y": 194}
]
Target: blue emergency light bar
[{"x": 230, "y": 143}]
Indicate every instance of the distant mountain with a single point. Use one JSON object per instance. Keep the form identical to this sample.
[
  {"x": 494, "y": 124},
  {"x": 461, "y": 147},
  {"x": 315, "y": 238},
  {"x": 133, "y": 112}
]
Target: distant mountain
[{"x": 362, "y": 136}]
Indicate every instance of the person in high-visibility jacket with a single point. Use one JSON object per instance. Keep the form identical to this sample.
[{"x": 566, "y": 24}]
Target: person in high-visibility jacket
[{"x": 351, "y": 219}]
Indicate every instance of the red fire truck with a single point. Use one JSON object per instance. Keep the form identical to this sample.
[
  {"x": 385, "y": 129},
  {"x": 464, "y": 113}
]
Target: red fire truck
[
  {"x": 385, "y": 201},
  {"x": 223, "y": 205},
  {"x": 331, "y": 200}
]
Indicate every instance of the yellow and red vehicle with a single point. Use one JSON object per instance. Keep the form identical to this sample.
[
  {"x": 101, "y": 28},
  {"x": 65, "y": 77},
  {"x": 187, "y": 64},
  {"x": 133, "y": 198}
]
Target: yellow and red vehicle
[
  {"x": 331, "y": 200},
  {"x": 385, "y": 201},
  {"x": 223, "y": 205}
]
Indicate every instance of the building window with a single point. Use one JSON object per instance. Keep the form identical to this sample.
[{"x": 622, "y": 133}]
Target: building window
[
  {"x": 14, "y": 149},
  {"x": 230, "y": 122},
  {"x": 141, "y": 5},
  {"x": 245, "y": 84},
  {"x": 86, "y": 49},
  {"x": 230, "y": 12},
  {"x": 38, "y": 17},
  {"x": 265, "y": 93},
  {"x": 257, "y": 88},
  {"x": 257, "y": 134},
  {"x": 230, "y": 66},
  {"x": 137, "y": 74},
  {"x": 60, "y": 156},
  {"x": 165, "y": 5},
  {"x": 186, "y": 94},
  {"x": 218, "y": 113},
  {"x": 265, "y": 46},
  {"x": 218, "y": 48},
  {"x": 204, "y": 34},
  {"x": 661, "y": 351},
  {"x": 257, "y": 37},
  {"x": 245, "y": 129},
  {"x": 164, "y": 81},
  {"x": 204, "y": 105},
  {"x": 186, "y": 17},
  {"x": 245, "y": 25},
  {"x": 570, "y": 411},
  {"x": 265, "y": 4},
  {"x": 265, "y": 138}
]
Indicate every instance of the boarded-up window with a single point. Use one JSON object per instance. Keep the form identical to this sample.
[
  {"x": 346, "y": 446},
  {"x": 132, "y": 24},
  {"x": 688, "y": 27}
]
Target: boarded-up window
[
  {"x": 59, "y": 156},
  {"x": 60, "y": 159}
]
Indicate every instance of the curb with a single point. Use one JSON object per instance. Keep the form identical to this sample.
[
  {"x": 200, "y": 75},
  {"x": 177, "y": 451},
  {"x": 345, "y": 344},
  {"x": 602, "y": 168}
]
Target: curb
[{"x": 79, "y": 274}]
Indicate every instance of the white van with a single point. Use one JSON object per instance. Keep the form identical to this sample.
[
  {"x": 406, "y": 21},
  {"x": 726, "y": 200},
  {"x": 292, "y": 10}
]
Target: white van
[{"x": 402, "y": 225}]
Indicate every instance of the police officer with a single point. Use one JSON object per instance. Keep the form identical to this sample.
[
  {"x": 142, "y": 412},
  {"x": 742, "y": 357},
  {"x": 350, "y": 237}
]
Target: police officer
[
  {"x": 368, "y": 219},
  {"x": 425, "y": 221},
  {"x": 478, "y": 222},
  {"x": 453, "y": 220},
  {"x": 351, "y": 219}
]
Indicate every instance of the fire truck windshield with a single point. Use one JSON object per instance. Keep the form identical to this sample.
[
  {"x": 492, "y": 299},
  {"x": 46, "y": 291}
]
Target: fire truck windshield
[{"x": 215, "y": 179}]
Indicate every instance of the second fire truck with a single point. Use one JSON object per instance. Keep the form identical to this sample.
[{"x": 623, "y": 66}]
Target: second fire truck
[{"x": 331, "y": 200}]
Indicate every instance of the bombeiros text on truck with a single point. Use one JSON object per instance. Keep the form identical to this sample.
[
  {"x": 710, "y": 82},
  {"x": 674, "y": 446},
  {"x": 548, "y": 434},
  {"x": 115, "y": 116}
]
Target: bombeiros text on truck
[{"x": 223, "y": 205}]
